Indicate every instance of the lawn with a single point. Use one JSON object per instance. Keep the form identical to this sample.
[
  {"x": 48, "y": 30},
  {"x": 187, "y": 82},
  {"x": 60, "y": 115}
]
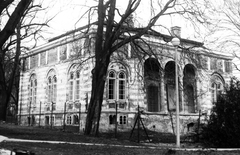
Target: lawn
[{"x": 121, "y": 145}]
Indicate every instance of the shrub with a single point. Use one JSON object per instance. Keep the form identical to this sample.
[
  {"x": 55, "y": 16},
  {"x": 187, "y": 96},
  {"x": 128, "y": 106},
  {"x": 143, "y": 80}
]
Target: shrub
[{"x": 223, "y": 127}]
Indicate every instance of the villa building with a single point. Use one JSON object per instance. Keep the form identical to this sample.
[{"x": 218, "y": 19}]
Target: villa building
[{"x": 55, "y": 83}]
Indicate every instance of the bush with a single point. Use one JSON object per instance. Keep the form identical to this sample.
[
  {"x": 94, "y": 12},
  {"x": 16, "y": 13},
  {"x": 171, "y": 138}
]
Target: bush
[{"x": 223, "y": 127}]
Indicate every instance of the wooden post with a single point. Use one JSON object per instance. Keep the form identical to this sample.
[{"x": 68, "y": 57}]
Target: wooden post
[
  {"x": 138, "y": 119},
  {"x": 40, "y": 114},
  {"x": 64, "y": 116},
  {"x": 51, "y": 115},
  {"x": 29, "y": 114},
  {"x": 116, "y": 123},
  {"x": 20, "y": 113},
  {"x": 79, "y": 117}
]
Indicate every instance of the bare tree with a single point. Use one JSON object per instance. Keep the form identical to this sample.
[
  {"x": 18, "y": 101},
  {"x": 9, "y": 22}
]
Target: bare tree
[
  {"x": 20, "y": 26},
  {"x": 112, "y": 34},
  {"x": 223, "y": 32}
]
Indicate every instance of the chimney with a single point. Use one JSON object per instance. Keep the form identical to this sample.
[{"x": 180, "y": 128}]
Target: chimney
[{"x": 176, "y": 31}]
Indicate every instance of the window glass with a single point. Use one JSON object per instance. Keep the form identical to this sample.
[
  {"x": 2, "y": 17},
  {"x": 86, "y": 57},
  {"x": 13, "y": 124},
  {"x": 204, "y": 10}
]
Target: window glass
[{"x": 33, "y": 90}]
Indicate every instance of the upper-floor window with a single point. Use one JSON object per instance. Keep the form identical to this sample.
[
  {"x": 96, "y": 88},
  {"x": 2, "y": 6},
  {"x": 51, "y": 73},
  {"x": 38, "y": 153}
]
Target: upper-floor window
[
  {"x": 228, "y": 66},
  {"x": 116, "y": 85},
  {"x": 33, "y": 90},
  {"x": 33, "y": 61},
  {"x": 43, "y": 58},
  {"x": 213, "y": 63},
  {"x": 52, "y": 55}
]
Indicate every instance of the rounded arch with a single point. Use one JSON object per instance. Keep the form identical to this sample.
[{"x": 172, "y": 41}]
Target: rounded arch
[
  {"x": 217, "y": 76},
  {"x": 119, "y": 66},
  {"x": 152, "y": 68},
  {"x": 51, "y": 72},
  {"x": 112, "y": 73},
  {"x": 189, "y": 70},
  {"x": 32, "y": 76},
  {"x": 169, "y": 69},
  {"x": 73, "y": 67}
]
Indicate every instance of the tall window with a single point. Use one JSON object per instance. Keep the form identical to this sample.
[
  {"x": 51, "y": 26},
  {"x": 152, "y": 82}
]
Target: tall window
[
  {"x": 74, "y": 85},
  {"x": 77, "y": 87},
  {"x": 52, "y": 87},
  {"x": 111, "y": 85},
  {"x": 216, "y": 87},
  {"x": 122, "y": 79},
  {"x": 116, "y": 85},
  {"x": 216, "y": 90},
  {"x": 33, "y": 90},
  {"x": 71, "y": 86}
]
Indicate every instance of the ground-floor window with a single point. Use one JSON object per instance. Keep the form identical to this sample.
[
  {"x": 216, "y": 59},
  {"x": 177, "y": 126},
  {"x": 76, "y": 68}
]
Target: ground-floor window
[
  {"x": 69, "y": 119},
  {"x": 112, "y": 119},
  {"x": 49, "y": 120},
  {"x": 122, "y": 119}
]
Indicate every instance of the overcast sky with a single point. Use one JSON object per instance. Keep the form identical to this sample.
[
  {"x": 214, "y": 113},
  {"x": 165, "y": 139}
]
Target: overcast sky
[{"x": 68, "y": 12}]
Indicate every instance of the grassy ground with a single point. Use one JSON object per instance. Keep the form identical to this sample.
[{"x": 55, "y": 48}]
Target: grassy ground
[{"x": 108, "y": 139}]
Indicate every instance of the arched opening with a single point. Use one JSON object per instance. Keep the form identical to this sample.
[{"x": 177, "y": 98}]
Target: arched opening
[
  {"x": 151, "y": 69},
  {"x": 189, "y": 87},
  {"x": 152, "y": 78},
  {"x": 170, "y": 85}
]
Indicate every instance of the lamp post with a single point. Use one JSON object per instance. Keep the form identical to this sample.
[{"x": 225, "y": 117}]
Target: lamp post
[{"x": 175, "y": 42}]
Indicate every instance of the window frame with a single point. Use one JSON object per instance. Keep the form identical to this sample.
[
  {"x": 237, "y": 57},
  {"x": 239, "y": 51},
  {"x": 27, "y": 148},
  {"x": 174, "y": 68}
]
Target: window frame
[
  {"x": 52, "y": 89},
  {"x": 116, "y": 88},
  {"x": 33, "y": 89},
  {"x": 74, "y": 83},
  {"x": 216, "y": 87}
]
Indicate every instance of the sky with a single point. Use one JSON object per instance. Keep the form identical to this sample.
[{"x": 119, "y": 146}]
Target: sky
[{"x": 68, "y": 12}]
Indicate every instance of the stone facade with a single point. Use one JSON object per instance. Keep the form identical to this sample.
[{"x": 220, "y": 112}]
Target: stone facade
[{"x": 55, "y": 84}]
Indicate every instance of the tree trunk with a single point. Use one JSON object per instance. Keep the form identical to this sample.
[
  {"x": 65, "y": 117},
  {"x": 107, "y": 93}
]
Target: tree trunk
[
  {"x": 3, "y": 105},
  {"x": 95, "y": 105}
]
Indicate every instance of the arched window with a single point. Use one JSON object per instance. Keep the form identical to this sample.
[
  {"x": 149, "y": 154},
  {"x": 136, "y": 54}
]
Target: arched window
[
  {"x": 112, "y": 85},
  {"x": 121, "y": 85},
  {"x": 52, "y": 87},
  {"x": 74, "y": 85},
  {"x": 71, "y": 80},
  {"x": 49, "y": 89},
  {"x": 216, "y": 87},
  {"x": 33, "y": 90},
  {"x": 77, "y": 87},
  {"x": 216, "y": 90},
  {"x": 116, "y": 85}
]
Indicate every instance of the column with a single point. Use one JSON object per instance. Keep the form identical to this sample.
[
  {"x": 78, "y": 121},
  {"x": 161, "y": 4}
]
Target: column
[{"x": 163, "y": 94}]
